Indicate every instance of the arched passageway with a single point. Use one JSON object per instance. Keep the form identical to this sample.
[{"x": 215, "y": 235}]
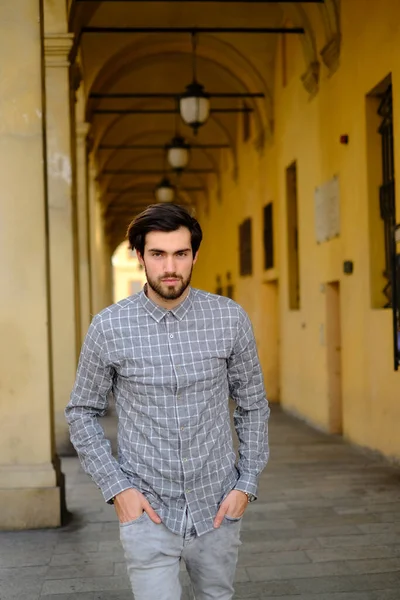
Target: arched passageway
[{"x": 287, "y": 177}]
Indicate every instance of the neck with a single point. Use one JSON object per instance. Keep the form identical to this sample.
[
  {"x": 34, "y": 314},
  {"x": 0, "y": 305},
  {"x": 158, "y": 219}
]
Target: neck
[{"x": 167, "y": 304}]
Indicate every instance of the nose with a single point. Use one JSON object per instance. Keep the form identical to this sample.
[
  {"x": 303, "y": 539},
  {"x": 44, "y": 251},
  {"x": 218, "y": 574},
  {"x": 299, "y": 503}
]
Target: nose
[{"x": 169, "y": 264}]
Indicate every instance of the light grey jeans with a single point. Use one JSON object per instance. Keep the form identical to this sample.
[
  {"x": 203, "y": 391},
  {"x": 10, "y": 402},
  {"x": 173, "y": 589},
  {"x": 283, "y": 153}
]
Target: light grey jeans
[{"x": 153, "y": 555}]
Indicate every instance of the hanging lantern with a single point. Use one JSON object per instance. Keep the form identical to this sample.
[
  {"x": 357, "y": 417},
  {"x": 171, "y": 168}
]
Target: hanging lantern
[
  {"x": 194, "y": 104},
  {"x": 165, "y": 191},
  {"x": 178, "y": 153}
]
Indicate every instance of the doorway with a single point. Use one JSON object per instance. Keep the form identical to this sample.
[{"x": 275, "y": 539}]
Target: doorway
[{"x": 334, "y": 357}]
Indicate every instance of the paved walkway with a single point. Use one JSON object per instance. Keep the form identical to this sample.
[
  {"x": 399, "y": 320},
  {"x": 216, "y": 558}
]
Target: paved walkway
[{"x": 326, "y": 527}]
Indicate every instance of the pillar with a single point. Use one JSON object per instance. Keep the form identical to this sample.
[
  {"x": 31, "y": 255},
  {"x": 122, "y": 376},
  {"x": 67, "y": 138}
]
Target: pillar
[
  {"x": 96, "y": 240},
  {"x": 64, "y": 271},
  {"x": 30, "y": 482},
  {"x": 82, "y": 129},
  {"x": 109, "y": 287}
]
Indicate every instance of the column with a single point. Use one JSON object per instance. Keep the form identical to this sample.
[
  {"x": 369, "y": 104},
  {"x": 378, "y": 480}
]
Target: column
[
  {"x": 64, "y": 271},
  {"x": 82, "y": 129},
  {"x": 30, "y": 483},
  {"x": 109, "y": 288},
  {"x": 96, "y": 240}
]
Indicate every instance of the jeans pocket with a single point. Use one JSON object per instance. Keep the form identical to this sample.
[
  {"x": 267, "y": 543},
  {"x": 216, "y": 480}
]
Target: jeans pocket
[
  {"x": 134, "y": 521},
  {"x": 233, "y": 519}
]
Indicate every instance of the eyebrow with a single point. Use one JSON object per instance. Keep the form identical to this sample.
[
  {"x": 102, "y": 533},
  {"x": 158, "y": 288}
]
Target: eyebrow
[{"x": 163, "y": 251}]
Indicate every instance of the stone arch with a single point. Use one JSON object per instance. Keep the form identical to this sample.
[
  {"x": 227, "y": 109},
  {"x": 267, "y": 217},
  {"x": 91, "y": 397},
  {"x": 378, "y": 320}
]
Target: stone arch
[
  {"x": 215, "y": 51},
  {"x": 298, "y": 16},
  {"x": 330, "y": 53},
  {"x": 224, "y": 130},
  {"x": 166, "y": 134}
]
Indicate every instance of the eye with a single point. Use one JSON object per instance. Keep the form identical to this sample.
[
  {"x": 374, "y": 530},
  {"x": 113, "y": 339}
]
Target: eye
[
  {"x": 182, "y": 254},
  {"x": 156, "y": 254}
]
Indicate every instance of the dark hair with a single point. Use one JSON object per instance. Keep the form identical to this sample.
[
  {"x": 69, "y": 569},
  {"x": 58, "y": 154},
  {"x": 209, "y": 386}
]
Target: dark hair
[{"x": 162, "y": 217}]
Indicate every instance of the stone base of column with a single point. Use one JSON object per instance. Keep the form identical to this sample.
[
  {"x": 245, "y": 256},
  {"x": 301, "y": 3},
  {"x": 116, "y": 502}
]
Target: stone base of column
[{"x": 36, "y": 504}]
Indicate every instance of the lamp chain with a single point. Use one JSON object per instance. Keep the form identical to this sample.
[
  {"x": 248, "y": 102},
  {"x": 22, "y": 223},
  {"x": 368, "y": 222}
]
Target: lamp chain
[{"x": 194, "y": 46}]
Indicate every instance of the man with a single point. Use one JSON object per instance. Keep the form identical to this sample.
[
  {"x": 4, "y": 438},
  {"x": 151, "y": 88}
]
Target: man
[{"x": 172, "y": 356}]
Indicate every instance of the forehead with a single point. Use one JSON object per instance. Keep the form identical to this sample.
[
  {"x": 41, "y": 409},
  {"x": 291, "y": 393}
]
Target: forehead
[{"x": 169, "y": 241}]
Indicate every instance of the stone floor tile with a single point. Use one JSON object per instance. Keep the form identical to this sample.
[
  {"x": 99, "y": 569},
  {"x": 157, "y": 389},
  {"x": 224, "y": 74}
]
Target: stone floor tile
[
  {"x": 77, "y": 547},
  {"x": 353, "y": 553},
  {"x": 120, "y": 569},
  {"x": 316, "y": 532},
  {"x": 20, "y": 588},
  {"x": 270, "y": 589},
  {"x": 21, "y": 558},
  {"x": 269, "y": 525},
  {"x": 297, "y": 571},
  {"x": 348, "y": 583},
  {"x": 97, "y": 569},
  {"x": 23, "y": 572},
  {"x": 381, "y": 595},
  {"x": 84, "y": 584},
  {"x": 84, "y": 596},
  {"x": 270, "y": 559},
  {"x": 378, "y": 539},
  {"x": 380, "y": 528},
  {"x": 377, "y": 565},
  {"x": 287, "y": 545},
  {"x": 60, "y": 560}
]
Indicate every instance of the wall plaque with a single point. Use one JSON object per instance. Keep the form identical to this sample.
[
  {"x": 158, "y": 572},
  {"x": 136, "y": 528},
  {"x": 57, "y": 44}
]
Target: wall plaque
[{"x": 327, "y": 210}]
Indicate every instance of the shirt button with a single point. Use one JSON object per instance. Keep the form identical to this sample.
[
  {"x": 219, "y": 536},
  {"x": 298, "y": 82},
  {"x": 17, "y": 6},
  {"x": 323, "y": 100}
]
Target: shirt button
[
  {"x": 188, "y": 491},
  {"x": 185, "y": 460},
  {"x": 182, "y": 428},
  {"x": 171, "y": 335}
]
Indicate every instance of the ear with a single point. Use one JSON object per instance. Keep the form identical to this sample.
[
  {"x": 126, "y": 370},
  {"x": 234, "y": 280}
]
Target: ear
[
  {"x": 196, "y": 256},
  {"x": 140, "y": 258}
]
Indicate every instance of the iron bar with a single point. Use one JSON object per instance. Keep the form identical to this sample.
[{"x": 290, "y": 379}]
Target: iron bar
[
  {"x": 153, "y": 171},
  {"x": 215, "y": 1},
  {"x": 163, "y": 111},
  {"x": 150, "y": 189},
  {"x": 192, "y": 30},
  {"x": 160, "y": 146},
  {"x": 172, "y": 96}
]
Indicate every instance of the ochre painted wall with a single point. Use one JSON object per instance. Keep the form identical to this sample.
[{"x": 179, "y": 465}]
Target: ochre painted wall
[{"x": 292, "y": 344}]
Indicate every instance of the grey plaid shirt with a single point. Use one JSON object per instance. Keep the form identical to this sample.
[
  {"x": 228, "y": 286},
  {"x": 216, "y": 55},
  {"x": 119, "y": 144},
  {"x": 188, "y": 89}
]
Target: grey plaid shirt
[{"x": 171, "y": 373}]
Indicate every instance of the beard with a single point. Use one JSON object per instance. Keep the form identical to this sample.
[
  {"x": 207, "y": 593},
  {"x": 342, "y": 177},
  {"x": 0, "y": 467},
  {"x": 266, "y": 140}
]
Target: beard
[{"x": 169, "y": 292}]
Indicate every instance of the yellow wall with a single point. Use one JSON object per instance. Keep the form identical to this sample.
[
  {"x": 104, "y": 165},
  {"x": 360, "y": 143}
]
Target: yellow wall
[{"x": 307, "y": 130}]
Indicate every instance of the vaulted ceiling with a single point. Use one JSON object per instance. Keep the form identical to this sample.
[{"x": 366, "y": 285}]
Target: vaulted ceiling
[{"x": 128, "y": 56}]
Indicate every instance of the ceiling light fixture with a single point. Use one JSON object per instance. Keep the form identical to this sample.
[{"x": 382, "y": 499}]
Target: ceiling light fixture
[
  {"x": 194, "y": 104},
  {"x": 178, "y": 153},
  {"x": 165, "y": 191}
]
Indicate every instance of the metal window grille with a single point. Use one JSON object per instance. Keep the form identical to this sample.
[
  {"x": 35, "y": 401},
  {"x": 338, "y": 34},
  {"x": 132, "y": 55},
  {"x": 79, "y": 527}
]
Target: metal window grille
[
  {"x": 268, "y": 237},
  {"x": 388, "y": 214},
  {"x": 245, "y": 246}
]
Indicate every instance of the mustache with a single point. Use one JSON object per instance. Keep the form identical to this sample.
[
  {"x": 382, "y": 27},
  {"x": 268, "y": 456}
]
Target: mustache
[{"x": 171, "y": 276}]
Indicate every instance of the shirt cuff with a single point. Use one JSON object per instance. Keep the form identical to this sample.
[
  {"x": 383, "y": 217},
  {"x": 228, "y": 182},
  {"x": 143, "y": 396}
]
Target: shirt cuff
[
  {"x": 116, "y": 486},
  {"x": 247, "y": 483}
]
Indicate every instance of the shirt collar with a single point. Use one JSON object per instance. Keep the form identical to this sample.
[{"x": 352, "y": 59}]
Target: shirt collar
[{"x": 158, "y": 312}]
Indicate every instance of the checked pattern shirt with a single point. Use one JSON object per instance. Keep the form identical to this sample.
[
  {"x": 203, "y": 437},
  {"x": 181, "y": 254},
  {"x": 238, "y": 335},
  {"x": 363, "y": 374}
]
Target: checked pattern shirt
[{"x": 172, "y": 373}]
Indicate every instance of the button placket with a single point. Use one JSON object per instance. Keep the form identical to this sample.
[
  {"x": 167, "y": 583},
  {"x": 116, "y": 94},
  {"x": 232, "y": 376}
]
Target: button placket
[{"x": 179, "y": 397}]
